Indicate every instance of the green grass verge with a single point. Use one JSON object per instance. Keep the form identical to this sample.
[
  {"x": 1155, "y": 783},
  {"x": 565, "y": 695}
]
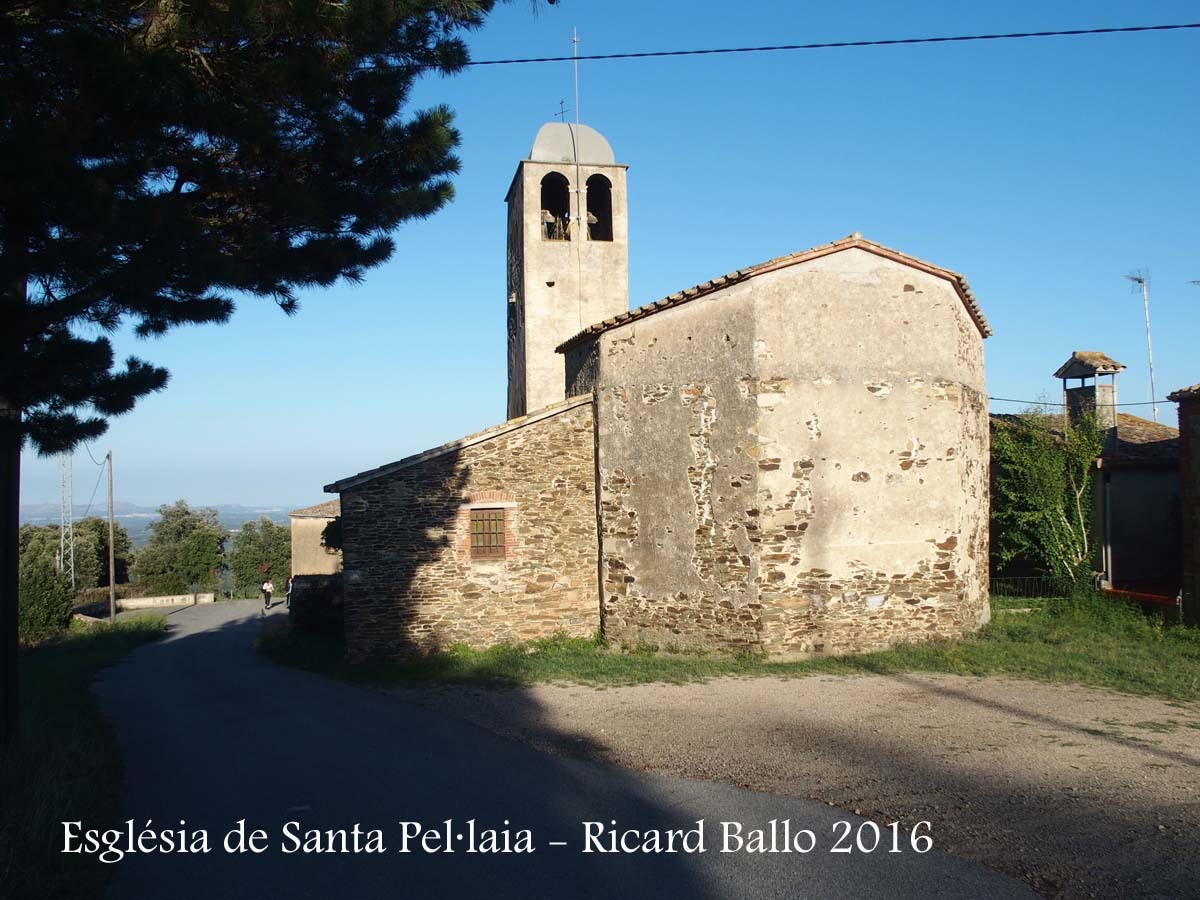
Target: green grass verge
[
  {"x": 1092, "y": 641},
  {"x": 65, "y": 765}
]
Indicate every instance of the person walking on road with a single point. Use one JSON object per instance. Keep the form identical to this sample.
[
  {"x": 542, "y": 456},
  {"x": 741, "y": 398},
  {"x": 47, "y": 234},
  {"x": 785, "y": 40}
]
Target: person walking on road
[
  {"x": 267, "y": 589},
  {"x": 288, "y": 596}
]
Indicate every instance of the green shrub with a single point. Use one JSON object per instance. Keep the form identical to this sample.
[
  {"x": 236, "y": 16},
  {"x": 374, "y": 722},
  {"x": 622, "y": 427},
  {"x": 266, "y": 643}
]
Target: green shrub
[
  {"x": 45, "y": 601},
  {"x": 317, "y": 604},
  {"x": 99, "y": 595}
]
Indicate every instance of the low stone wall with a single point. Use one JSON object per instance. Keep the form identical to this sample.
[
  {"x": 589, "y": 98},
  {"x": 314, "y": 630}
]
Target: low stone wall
[
  {"x": 169, "y": 600},
  {"x": 100, "y": 607}
]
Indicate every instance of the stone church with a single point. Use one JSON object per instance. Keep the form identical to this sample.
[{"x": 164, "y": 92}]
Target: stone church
[{"x": 789, "y": 459}]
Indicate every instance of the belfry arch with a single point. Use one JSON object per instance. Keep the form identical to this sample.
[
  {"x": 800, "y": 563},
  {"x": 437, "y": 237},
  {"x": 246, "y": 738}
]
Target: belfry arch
[
  {"x": 599, "y": 209},
  {"x": 556, "y": 207}
]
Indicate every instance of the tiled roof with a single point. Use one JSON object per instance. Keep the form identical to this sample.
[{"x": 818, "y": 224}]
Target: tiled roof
[
  {"x": 1088, "y": 363},
  {"x": 1140, "y": 440},
  {"x": 479, "y": 437},
  {"x": 1137, "y": 440},
  {"x": 854, "y": 241},
  {"x": 330, "y": 509},
  {"x": 1187, "y": 393}
]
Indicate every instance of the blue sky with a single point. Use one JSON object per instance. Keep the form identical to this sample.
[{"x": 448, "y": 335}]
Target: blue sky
[{"x": 1043, "y": 170}]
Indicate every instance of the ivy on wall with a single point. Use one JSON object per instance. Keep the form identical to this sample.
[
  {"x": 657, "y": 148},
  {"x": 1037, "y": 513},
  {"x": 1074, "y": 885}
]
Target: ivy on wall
[{"x": 1042, "y": 473}]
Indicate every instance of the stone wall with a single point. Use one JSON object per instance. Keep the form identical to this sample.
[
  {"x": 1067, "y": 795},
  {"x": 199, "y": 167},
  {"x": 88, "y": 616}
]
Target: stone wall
[
  {"x": 796, "y": 464},
  {"x": 410, "y": 583},
  {"x": 1189, "y": 472},
  {"x": 309, "y": 555}
]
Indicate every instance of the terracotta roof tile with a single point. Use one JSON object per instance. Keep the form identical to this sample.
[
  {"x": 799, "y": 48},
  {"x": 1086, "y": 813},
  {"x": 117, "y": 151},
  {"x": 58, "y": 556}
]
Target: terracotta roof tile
[
  {"x": 1187, "y": 393},
  {"x": 1141, "y": 440},
  {"x": 328, "y": 510},
  {"x": 1136, "y": 440},
  {"x": 855, "y": 240},
  {"x": 1088, "y": 363}
]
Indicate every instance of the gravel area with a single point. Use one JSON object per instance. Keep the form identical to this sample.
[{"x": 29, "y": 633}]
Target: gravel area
[{"x": 1081, "y": 792}]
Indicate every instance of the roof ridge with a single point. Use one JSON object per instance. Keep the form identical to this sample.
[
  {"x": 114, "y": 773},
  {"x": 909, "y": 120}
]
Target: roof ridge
[
  {"x": 461, "y": 443},
  {"x": 317, "y": 510},
  {"x": 853, "y": 240}
]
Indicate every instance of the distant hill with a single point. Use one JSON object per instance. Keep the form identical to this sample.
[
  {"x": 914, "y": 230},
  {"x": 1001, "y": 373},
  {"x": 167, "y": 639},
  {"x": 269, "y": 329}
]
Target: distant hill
[{"x": 136, "y": 519}]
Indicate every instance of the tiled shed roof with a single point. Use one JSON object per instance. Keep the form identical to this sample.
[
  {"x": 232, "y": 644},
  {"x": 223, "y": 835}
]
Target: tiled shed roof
[
  {"x": 330, "y": 509},
  {"x": 853, "y": 241}
]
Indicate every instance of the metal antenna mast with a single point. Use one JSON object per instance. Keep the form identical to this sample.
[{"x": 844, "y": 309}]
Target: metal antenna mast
[
  {"x": 66, "y": 518},
  {"x": 1143, "y": 280},
  {"x": 580, "y": 202}
]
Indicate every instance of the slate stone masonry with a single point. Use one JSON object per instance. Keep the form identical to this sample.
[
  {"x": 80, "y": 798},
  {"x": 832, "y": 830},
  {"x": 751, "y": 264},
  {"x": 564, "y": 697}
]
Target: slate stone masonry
[
  {"x": 1189, "y": 471},
  {"x": 411, "y": 585}
]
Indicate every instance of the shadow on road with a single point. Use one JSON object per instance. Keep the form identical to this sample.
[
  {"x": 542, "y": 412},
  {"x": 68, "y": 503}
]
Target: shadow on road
[{"x": 212, "y": 734}]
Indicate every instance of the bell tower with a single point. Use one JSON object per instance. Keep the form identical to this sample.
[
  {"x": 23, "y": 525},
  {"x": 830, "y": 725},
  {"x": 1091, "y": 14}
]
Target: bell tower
[{"x": 568, "y": 256}]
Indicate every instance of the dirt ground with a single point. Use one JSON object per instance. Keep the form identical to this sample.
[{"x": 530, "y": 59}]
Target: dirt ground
[{"x": 1081, "y": 792}]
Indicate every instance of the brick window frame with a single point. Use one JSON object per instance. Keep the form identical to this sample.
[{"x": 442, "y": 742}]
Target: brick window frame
[{"x": 488, "y": 503}]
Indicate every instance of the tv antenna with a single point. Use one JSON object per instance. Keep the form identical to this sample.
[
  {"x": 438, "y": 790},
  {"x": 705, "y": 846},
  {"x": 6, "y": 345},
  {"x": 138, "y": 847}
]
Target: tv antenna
[
  {"x": 562, "y": 110},
  {"x": 1142, "y": 279}
]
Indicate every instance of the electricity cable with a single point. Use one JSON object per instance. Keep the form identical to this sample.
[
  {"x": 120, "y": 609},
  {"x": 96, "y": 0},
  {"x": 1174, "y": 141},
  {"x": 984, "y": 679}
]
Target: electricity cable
[
  {"x": 1046, "y": 403},
  {"x": 827, "y": 45}
]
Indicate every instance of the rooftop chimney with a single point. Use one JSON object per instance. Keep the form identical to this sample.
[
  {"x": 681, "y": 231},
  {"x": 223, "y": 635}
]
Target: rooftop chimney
[{"x": 1089, "y": 395}]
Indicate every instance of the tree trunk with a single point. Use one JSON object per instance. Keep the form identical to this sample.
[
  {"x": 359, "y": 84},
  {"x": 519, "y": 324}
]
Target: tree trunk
[
  {"x": 10, "y": 499},
  {"x": 13, "y": 275}
]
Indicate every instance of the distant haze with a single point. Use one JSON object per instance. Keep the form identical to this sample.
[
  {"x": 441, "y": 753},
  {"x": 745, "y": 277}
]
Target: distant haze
[{"x": 137, "y": 519}]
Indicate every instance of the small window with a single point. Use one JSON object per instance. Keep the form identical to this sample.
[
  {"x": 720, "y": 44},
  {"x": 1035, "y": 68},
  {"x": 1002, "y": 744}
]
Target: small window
[
  {"x": 556, "y": 208},
  {"x": 487, "y": 534}
]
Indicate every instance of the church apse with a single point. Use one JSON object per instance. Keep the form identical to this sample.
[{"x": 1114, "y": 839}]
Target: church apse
[{"x": 795, "y": 464}]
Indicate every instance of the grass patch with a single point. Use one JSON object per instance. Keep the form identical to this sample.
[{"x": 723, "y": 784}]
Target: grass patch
[
  {"x": 65, "y": 765},
  {"x": 1091, "y": 641}
]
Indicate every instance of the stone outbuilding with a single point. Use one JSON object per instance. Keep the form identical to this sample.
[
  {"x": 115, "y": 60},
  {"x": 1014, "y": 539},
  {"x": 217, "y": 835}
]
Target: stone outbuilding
[
  {"x": 310, "y": 556},
  {"x": 789, "y": 459}
]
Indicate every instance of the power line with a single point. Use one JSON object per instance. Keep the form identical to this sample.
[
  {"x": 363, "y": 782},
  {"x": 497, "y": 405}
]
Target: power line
[
  {"x": 92, "y": 458},
  {"x": 88, "y": 508},
  {"x": 830, "y": 45},
  {"x": 1045, "y": 403}
]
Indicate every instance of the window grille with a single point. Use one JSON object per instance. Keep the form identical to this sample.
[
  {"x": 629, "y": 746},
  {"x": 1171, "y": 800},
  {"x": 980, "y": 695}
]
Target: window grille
[{"x": 487, "y": 534}]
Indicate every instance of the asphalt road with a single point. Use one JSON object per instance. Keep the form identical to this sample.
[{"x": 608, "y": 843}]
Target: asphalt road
[{"x": 213, "y": 734}]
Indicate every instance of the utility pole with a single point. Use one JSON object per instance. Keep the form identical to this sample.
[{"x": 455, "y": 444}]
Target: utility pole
[
  {"x": 1143, "y": 281},
  {"x": 112, "y": 569}
]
